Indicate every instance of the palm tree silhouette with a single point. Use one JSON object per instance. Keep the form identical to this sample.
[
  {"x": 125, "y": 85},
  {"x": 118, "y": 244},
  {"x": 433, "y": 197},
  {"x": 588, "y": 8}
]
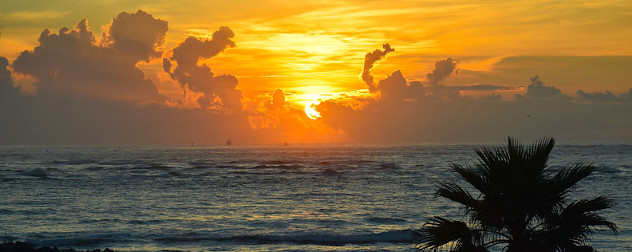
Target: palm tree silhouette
[{"x": 521, "y": 205}]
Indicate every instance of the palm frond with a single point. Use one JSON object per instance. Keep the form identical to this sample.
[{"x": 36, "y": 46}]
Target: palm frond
[
  {"x": 475, "y": 176},
  {"x": 538, "y": 153},
  {"x": 440, "y": 232},
  {"x": 582, "y": 212},
  {"x": 492, "y": 159},
  {"x": 584, "y": 206},
  {"x": 566, "y": 178},
  {"x": 573, "y": 226},
  {"x": 519, "y": 205},
  {"x": 454, "y": 192}
]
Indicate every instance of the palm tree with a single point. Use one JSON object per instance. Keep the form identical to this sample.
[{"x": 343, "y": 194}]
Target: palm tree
[{"x": 520, "y": 204}]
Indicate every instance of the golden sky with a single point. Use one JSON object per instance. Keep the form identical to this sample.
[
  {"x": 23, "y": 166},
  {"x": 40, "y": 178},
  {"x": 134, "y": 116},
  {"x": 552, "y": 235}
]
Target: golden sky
[{"x": 314, "y": 50}]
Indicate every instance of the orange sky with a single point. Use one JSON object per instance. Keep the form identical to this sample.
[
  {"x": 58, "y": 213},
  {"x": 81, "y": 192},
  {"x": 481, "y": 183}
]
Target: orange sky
[{"x": 314, "y": 52}]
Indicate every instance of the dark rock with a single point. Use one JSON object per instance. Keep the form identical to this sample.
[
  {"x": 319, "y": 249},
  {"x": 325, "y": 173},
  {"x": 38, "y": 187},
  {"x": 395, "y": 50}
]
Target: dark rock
[
  {"x": 16, "y": 247},
  {"x": 47, "y": 249},
  {"x": 27, "y": 247}
]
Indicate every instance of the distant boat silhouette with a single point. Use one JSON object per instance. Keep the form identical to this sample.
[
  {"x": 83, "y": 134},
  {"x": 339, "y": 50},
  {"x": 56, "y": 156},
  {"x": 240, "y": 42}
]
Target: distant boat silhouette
[
  {"x": 285, "y": 144},
  {"x": 229, "y": 143}
]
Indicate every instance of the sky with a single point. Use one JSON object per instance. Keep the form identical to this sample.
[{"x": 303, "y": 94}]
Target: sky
[{"x": 270, "y": 72}]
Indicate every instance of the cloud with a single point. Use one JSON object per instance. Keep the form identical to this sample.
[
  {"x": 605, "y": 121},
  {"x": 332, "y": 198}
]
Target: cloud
[
  {"x": 71, "y": 64},
  {"x": 596, "y": 96},
  {"x": 219, "y": 92},
  {"x": 6, "y": 82},
  {"x": 136, "y": 35},
  {"x": 485, "y": 65},
  {"x": 413, "y": 113},
  {"x": 537, "y": 89},
  {"x": 35, "y": 15},
  {"x": 369, "y": 61},
  {"x": 91, "y": 92},
  {"x": 441, "y": 71},
  {"x": 276, "y": 121},
  {"x": 477, "y": 87},
  {"x": 394, "y": 88},
  {"x": 627, "y": 96},
  {"x": 88, "y": 91},
  {"x": 278, "y": 99}
]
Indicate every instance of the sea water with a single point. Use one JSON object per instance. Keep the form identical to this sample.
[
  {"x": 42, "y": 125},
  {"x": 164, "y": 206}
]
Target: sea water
[{"x": 268, "y": 198}]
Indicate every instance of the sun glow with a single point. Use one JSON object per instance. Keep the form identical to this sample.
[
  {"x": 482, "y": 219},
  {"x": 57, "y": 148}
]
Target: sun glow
[{"x": 310, "y": 111}]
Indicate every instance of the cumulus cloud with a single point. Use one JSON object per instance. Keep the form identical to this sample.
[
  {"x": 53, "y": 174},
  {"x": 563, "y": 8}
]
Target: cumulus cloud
[
  {"x": 71, "y": 63},
  {"x": 394, "y": 88},
  {"x": 416, "y": 113},
  {"x": 218, "y": 92},
  {"x": 88, "y": 91},
  {"x": 6, "y": 82},
  {"x": 136, "y": 35},
  {"x": 278, "y": 99},
  {"x": 96, "y": 75},
  {"x": 369, "y": 61},
  {"x": 442, "y": 69},
  {"x": 538, "y": 90}
]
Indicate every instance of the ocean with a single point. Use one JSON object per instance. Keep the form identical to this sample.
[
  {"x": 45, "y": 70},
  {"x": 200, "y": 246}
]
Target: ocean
[{"x": 261, "y": 198}]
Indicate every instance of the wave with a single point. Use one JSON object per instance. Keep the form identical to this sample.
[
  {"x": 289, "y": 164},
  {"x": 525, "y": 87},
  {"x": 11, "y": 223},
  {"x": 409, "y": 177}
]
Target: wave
[
  {"x": 86, "y": 241},
  {"x": 389, "y": 166},
  {"x": 160, "y": 167},
  {"x": 145, "y": 222},
  {"x": 383, "y": 220},
  {"x": 278, "y": 162},
  {"x": 330, "y": 172},
  {"x": 396, "y": 236},
  {"x": 279, "y": 166},
  {"x": 73, "y": 162}
]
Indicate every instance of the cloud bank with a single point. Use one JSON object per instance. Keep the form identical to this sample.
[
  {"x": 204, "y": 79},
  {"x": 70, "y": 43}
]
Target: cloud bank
[
  {"x": 412, "y": 112},
  {"x": 92, "y": 91}
]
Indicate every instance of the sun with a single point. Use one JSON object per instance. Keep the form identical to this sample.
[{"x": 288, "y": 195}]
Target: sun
[{"x": 310, "y": 111}]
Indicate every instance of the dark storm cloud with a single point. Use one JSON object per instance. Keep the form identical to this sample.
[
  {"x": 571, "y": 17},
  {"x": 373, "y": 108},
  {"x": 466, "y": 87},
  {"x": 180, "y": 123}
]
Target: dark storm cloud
[
  {"x": 71, "y": 63},
  {"x": 219, "y": 92},
  {"x": 369, "y": 60}
]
